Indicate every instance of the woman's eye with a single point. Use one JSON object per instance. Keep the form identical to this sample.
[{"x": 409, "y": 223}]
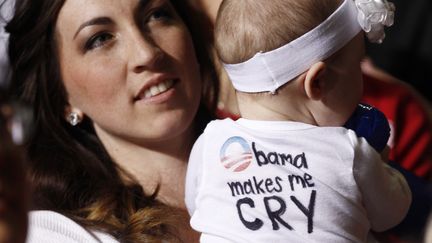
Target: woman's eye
[
  {"x": 160, "y": 14},
  {"x": 98, "y": 40}
]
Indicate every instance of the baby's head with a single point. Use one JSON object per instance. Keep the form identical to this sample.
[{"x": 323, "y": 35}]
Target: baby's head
[
  {"x": 328, "y": 89},
  {"x": 245, "y": 27}
]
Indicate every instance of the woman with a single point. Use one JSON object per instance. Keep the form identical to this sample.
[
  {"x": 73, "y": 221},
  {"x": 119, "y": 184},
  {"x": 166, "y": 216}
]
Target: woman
[{"x": 115, "y": 87}]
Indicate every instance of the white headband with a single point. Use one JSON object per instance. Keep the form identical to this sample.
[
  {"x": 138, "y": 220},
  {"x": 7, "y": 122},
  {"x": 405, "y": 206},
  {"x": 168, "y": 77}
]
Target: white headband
[{"x": 270, "y": 70}]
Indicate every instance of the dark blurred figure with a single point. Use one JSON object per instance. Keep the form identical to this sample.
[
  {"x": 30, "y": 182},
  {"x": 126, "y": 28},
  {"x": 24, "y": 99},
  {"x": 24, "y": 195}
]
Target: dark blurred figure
[
  {"x": 407, "y": 51},
  {"x": 14, "y": 191},
  {"x": 14, "y": 196}
]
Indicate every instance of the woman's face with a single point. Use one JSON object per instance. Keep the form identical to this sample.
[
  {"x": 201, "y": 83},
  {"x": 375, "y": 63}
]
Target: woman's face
[{"x": 130, "y": 66}]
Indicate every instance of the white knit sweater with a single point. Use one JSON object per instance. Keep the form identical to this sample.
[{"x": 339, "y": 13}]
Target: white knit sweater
[{"x": 52, "y": 227}]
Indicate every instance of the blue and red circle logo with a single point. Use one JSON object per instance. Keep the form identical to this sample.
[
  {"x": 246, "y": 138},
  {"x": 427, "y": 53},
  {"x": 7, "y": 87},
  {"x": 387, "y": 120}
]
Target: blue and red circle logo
[{"x": 235, "y": 154}]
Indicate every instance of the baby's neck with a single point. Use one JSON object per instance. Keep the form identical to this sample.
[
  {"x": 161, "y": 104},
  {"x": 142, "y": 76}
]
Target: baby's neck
[{"x": 275, "y": 109}]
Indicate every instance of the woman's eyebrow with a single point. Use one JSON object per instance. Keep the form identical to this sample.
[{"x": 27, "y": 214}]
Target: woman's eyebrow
[
  {"x": 94, "y": 21},
  {"x": 142, "y": 4},
  {"x": 140, "y": 8}
]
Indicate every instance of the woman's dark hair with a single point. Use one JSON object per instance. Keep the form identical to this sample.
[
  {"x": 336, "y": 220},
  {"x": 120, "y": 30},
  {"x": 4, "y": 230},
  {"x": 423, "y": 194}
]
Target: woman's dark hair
[
  {"x": 209, "y": 75},
  {"x": 70, "y": 170}
]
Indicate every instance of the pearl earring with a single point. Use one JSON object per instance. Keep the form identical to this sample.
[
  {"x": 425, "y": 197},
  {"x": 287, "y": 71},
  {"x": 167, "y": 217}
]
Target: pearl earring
[{"x": 74, "y": 118}]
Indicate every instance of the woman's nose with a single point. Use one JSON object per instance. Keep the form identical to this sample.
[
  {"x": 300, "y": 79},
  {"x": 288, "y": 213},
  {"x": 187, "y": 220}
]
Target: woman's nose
[{"x": 145, "y": 54}]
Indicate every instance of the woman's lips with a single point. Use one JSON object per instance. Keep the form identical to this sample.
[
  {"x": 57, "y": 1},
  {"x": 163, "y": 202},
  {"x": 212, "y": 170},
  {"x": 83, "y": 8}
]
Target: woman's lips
[
  {"x": 158, "y": 89},
  {"x": 157, "y": 93}
]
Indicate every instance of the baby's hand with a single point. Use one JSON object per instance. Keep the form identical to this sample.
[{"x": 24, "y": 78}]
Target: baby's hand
[{"x": 371, "y": 124}]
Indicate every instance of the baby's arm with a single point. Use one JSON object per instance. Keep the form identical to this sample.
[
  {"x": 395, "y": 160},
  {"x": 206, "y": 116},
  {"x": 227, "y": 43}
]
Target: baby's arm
[
  {"x": 193, "y": 174},
  {"x": 386, "y": 195},
  {"x": 192, "y": 191},
  {"x": 385, "y": 192}
]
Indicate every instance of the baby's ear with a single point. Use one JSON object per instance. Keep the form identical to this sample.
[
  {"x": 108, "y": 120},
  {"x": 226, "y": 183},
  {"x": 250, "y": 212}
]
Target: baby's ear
[{"x": 314, "y": 82}]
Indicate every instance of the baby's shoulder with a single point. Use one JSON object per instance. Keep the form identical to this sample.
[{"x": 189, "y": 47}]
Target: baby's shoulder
[{"x": 219, "y": 125}]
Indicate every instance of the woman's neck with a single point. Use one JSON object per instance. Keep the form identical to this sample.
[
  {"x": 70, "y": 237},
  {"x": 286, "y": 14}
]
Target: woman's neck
[{"x": 155, "y": 165}]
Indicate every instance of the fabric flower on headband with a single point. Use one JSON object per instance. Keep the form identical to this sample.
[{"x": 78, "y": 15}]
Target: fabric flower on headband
[{"x": 373, "y": 16}]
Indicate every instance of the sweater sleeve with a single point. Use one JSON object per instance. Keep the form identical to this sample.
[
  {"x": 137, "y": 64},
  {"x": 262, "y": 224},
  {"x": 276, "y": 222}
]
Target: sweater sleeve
[
  {"x": 52, "y": 227},
  {"x": 385, "y": 192},
  {"x": 193, "y": 174}
]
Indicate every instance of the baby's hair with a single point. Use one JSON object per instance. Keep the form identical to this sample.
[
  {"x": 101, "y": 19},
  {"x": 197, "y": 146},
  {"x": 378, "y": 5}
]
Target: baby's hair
[{"x": 245, "y": 27}]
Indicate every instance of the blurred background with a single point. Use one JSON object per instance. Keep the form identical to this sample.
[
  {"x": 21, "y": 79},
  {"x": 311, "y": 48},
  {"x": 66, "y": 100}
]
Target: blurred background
[{"x": 406, "y": 52}]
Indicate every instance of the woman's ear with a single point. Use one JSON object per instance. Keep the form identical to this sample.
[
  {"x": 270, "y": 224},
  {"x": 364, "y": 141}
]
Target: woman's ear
[
  {"x": 314, "y": 82},
  {"x": 73, "y": 115}
]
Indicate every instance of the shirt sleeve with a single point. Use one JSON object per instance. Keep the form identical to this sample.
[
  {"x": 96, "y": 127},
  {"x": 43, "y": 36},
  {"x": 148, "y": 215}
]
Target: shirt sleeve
[
  {"x": 193, "y": 174},
  {"x": 385, "y": 192}
]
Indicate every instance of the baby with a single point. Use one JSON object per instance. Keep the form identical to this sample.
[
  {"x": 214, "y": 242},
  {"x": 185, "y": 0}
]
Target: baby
[{"x": 288, "y": 170}]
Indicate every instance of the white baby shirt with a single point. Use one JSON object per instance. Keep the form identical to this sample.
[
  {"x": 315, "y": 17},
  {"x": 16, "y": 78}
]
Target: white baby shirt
[{"x": 270, "y": 181}]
